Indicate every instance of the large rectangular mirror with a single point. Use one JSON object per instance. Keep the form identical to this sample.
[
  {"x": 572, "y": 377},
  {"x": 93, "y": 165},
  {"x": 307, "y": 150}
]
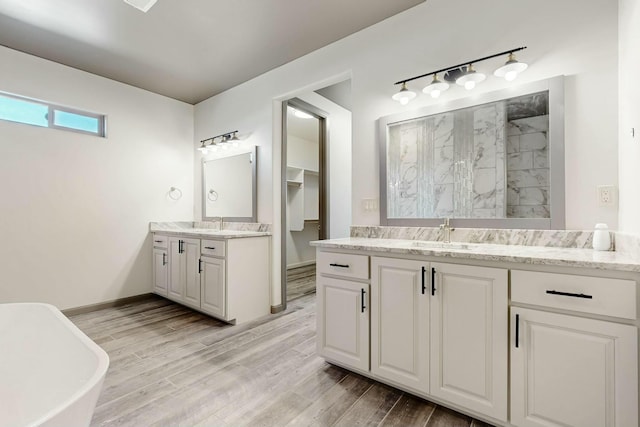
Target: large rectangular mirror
[
  {"x": 496, "y": 161},
  {"x": 229, "y": 187}
]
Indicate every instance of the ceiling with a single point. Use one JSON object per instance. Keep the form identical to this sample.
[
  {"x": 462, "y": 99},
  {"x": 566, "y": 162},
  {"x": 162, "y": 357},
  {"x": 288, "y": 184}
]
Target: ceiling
[
  {"x": 307, "y": 129},
  {"x": 188, "y": 49}
]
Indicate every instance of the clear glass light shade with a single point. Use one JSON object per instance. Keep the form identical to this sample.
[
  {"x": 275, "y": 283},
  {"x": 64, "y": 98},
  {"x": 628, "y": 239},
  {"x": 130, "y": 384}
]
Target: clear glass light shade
[
  {"x": 510, "y": 70},
  {"x": 435, "y": 88},
  {"x": 203, "y": 149},
  {"x": 470, "y": 79},
  {"x": 404, "y": 95}
]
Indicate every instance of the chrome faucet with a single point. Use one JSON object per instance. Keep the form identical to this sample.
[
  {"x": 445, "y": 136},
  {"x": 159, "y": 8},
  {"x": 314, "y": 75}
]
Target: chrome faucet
[
  {"x": 221, "y": 223},
  {"x": 446, "y": 228}
]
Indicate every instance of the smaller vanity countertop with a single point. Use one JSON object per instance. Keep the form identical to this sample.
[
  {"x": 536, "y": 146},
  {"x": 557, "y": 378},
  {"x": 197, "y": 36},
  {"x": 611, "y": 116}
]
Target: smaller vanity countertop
[
  {"x": 534, "y": 255},
  {"x": 200, "y": 230}
]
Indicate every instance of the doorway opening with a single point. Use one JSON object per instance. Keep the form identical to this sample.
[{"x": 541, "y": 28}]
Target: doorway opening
[{"x": 305, "y": 219}]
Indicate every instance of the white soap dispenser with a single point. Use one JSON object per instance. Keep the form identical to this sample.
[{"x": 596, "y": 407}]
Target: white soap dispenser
[{"x": 601, "y": 238}]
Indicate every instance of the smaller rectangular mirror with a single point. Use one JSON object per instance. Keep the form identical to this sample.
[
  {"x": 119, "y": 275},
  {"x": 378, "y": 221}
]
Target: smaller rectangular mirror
[{"x": 229, "y": 187}]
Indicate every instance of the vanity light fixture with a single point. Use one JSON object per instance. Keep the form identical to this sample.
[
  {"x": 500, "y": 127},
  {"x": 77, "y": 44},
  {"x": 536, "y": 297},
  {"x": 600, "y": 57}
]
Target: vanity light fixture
[
  {"x": 470, "y": 78},
  {"x": 404, "y": 95},
  {"x": 436, "y": 87},
  {"x": 222, "y": 140},
  {"x": 510, "y": 70},
  {"x": 462, "y": 74}
]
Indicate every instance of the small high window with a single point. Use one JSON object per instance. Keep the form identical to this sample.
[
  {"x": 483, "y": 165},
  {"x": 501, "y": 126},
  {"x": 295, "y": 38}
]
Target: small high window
[{"x": 36, "y": 113}]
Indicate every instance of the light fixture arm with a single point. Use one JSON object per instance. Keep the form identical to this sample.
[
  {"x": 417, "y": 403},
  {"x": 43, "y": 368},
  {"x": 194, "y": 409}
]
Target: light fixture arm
[
  {"x": 510, "y": 51},
  {"x": 224, "y": 137}
]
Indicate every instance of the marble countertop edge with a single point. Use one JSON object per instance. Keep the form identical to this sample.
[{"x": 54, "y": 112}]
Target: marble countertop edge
[
  {"x": 532, "y": 255},
  {"x": 216, "y": 234}
]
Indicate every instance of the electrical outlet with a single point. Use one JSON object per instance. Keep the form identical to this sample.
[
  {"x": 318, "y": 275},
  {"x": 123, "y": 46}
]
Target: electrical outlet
[{"x": 606, "y": 195}]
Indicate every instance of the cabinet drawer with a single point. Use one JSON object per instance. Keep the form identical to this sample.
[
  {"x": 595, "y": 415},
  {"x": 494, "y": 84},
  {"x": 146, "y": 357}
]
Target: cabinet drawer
[
  {"x": 345, "y": 265},
  {"x": 160, "y": 241},
  {"x": 596, "y": 295},
  {"x": 213, "y": 247}
]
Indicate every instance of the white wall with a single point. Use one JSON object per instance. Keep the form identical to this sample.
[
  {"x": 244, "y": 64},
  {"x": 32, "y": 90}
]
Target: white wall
[
  {"x": 629, "y": 110},
  {"x": 435, "y": 34},
  {"x": 76, "y": 208}
]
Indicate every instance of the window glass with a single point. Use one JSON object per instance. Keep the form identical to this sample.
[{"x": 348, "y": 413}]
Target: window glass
[
  {"x": 22, "y": 111},
  {"x": 76, "y": 121}
]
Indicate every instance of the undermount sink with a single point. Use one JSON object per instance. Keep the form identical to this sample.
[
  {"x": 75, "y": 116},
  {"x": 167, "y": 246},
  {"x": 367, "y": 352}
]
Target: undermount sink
[{"x": 439, "y": 245}]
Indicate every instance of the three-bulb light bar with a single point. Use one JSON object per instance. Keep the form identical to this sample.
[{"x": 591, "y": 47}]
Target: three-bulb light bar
[
  {"x": 463, "y": 75},
  {"x": 210, "y": 144}
]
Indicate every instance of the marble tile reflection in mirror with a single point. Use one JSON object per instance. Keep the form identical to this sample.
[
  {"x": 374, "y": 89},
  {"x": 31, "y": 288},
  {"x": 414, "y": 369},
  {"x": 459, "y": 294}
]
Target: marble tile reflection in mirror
[{"x": 484, "y": 161}]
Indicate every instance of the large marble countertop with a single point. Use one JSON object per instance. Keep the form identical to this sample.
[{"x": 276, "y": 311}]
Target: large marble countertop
[{"x": 534, "y": 255}]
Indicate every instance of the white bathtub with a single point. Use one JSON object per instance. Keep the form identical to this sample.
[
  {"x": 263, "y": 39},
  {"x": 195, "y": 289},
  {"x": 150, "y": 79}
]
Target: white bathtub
[{"x": 50, "y": 372}]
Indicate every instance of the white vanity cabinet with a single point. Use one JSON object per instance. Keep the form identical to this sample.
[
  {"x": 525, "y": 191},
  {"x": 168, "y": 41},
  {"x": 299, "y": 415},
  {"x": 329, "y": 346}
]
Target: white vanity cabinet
[
  {"x": 568, "y": 369},
  {"x": 469, "y": 337},
  {"x": 227, "y": 278},
  {"x": 160, "y": 265},
  {"x": 438, "y": 329},
  {"x": 184, "y": 277},
  {"x": 400, "y": 321},
  {"x": 342, "y": 292}
]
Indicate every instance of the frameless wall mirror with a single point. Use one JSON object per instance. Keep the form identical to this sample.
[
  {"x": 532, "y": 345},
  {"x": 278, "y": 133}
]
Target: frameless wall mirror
[
  {"x": 229, "y": 187},
  {"x": 492, "y": 161}
]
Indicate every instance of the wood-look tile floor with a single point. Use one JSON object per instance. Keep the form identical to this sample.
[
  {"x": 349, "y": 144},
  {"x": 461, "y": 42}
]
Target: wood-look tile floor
[
  {"x": 171, "y": 366},
  {"x": 301, "y": 281}
]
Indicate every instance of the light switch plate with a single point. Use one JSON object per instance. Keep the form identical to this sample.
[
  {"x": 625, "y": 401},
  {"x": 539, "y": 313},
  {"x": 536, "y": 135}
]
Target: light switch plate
[{"x": 370, "y": 205}]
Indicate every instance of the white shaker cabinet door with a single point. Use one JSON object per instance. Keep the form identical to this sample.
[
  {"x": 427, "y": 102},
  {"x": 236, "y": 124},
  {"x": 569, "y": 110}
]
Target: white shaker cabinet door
[
  {"x": 213, "y": 287},
  {"x": 176, "y": 270},
  {"x": 572, "y": 371},
  {"x": 160, "y": 271},
  {"x": 400, "y": 321},
  {"x": 469, "y": 337},
  {"x": 343, "y": 321},
  {"x": 192, "y": 266}
]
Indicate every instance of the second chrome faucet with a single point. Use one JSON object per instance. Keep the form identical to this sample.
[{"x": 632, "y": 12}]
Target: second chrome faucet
[{"x": 447, "y": 229}]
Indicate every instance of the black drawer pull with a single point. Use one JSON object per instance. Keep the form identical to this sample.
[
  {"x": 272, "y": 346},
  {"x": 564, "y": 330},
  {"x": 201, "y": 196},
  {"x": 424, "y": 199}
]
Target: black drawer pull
[
  {"x": 339, "y": 265},
  {"x": 210, "y": 247},
  {"x": 569, "y": 294},
  {"x": 159, "y": 241},
  {"x": 362, "y": 306},
  {"x": 517, "y": 330},
  {"x": 424, "y": 287}
]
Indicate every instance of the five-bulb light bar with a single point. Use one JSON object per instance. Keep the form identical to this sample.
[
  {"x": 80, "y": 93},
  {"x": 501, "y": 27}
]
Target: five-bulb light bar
[
  {"x": 463, "y": 75},
  {"x": 210, "y": 144}
]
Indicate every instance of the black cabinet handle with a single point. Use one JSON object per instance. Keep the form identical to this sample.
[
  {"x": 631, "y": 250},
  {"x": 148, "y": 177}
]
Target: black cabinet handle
[
  {"x": 517, "y": 330},
  {"x": 199, "y": 266},
  {"x": 433, "y": 281},
  {"x": 180, "y": 250},
  {"x": 569, "y": 294},
  {"x": 164, "y": 258},
  {"x": 210, "y": 247},
  {"x": 424, "y": 287},
  {"x": 362, "y": 305},
  {"x": 339, "y": 265},
  {"x": 158, "y": 241}
]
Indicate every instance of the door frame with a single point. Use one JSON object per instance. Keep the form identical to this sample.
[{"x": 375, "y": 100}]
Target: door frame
[{"x": 323, "y": 182}]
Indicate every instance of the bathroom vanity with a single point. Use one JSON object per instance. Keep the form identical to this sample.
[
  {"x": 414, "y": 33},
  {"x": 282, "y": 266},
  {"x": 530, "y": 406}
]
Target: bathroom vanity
[
  {"x": 515, "y": 335},
  {"x": 223, "y": 273}
]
